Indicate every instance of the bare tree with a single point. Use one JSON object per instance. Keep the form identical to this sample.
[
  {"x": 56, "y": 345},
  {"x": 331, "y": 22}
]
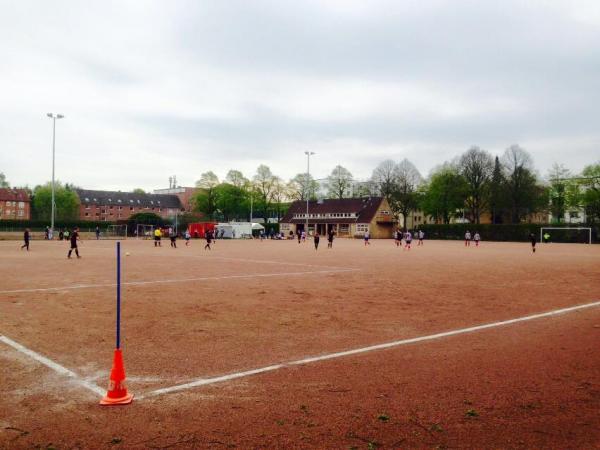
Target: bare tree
[
  {"x": 236, "y": 178},
  {"x": 384, "y": 177},
  {"x": 477, "y": 166},
  {"x": 405, "y": 196},
  {"x": 522, "y": 191},
  {"x": 339, "y": 183},
  {"x": 302, "y": 187},
  {"x": 263, "y": 183}
]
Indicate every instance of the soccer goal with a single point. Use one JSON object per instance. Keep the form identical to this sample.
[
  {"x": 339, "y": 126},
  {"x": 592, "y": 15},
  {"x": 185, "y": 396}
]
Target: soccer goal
[
  {"x": 578, "y": 235},
  {"x": 144, "y": 231},
  {"x": 116, "y": 232}
]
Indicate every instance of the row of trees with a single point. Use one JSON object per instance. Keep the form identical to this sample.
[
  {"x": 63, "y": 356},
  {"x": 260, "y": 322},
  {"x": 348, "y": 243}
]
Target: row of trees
[
  {"x": 505, "y": 187},
  {"x": 473, "y": 184}
]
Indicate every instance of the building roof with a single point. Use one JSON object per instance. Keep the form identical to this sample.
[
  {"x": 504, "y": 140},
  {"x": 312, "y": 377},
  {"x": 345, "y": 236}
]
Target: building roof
[
  {"x": 363, "y": 208},
  {"x": 117, "y": 198},
  {"x": 15, "y": 195}
]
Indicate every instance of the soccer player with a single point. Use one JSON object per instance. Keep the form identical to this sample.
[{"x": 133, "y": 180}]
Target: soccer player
[
  {"x": 367, "y": 237},
  {"x": 408, "y": 240},
  {"x": 299, "y": 235},
  {"x": 74, "y": 239},
  {"x": 468, "y": 239},
  {"x": 330, "y": 238},
  {"x": 208, "y": 236},
  {"x": 303, "y": 236},
  {"x": 173, "y": 238},
  {"x": 476, "y": 238},
  {"x": 25, "y": 239},
  {"x": 187, "y": 237},
  {"x": 97, "y": 232},
  {"x": 398, "y": 238},
  {"x": 421, "y": 236},
  {"x": 316, "y": 240},
  {"x": 157, "y": 236},
  {"x": 533, "y": 241}
]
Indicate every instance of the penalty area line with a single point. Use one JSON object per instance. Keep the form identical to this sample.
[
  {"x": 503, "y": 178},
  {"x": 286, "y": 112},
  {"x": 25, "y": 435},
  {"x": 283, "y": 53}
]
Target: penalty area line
[
  {"x": 180, "y": 280},
  {"x": 53, "y": 365},
  {"x": 232, "y": 376}
]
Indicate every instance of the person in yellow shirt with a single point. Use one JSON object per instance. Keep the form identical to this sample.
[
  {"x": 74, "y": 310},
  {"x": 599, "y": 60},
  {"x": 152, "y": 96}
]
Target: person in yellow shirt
[{"x": 157, "y": 236}]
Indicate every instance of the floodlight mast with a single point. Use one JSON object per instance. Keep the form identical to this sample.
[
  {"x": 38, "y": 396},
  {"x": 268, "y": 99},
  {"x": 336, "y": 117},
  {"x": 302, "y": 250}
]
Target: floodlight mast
[
  {"x": 53, "y": 117},
  {"x": 307, "y": 185}
]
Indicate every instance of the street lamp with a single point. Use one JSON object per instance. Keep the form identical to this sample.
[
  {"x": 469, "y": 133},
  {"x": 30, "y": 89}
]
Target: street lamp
[
  {"x": 307, "y": 185},
  {"x": 53, "y": 117}
]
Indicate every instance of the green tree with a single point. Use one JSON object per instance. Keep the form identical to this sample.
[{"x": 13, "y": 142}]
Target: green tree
[
  {"x": 497, "y": 197},
  {"x": 230, "y": 201},
  {"x": 476, "y": 167},
  {"x": 66, "y": 201},
  {"x": 339, "y": 183},
  {"x": 205, "y": 199},
  {"x": 3, "y": 182},
  {"x": 138, "y": 191},
  {"x": 590, "y": 196},
  {"x": 445, "y": 194}
]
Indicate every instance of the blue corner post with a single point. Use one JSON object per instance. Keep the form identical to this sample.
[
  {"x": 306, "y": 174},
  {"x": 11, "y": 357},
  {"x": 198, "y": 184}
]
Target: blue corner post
[{"x": 118, "y": 295}]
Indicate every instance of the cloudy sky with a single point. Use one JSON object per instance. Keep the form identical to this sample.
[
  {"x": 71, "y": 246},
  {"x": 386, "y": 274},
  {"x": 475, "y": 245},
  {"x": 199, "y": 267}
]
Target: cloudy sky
[{"x": 152, "y": 89}]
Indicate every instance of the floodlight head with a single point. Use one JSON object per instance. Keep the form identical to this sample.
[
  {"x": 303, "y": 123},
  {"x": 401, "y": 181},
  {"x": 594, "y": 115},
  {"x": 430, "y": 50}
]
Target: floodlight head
[
  {"x": 59, "y": 116},
  {"x": 309, "y": 153},
  {"x": 55, "y": 116},
  {"x": 49, "y": 115}
]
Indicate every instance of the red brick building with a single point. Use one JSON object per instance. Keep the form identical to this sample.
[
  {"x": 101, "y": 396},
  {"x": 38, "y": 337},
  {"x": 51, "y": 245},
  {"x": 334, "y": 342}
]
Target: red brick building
[
  {"x": 185, "y": 195},
  {"x": 110, "y": 206},
  {"x": 15, "y": 204}
]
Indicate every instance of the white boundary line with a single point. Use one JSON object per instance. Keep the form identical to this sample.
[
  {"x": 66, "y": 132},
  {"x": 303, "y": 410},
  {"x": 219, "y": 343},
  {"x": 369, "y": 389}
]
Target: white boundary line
[
  {"x": 181, "y": 280},
  {"x": 53, "y": 365},
  {"x": 232, "y": 376}
]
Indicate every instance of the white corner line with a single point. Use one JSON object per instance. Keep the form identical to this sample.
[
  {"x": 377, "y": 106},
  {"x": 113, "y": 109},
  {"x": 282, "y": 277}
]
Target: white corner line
[
  {"x": 54, "y": 366},
  {"x": 180, "y": 280},
  {"x": 206, "y": 381}
]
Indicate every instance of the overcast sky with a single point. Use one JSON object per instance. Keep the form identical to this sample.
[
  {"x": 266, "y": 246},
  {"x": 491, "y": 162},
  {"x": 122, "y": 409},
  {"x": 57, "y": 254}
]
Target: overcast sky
[{"x": 152, "y": 89}]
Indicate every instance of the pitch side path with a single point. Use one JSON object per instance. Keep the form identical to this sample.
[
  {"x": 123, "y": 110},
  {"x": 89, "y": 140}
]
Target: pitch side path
[{"x": 275, "y": 345}]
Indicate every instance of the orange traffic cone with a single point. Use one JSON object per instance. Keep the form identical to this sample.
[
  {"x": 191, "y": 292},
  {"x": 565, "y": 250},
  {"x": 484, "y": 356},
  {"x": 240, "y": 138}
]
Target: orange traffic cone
[{"x": 117, "y": 390}]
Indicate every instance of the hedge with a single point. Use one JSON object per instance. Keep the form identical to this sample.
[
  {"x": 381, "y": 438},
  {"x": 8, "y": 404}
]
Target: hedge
[
  {"x": 505, "y": 233},
  {"x": 40, "y": 225}
]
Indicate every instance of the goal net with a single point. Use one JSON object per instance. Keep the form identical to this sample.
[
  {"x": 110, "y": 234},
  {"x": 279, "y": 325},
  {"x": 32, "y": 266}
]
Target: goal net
[
  {"x": 116, "y": 232},
  {"x": 144, "y": 231},
  {"x": 573, "y": 235}
]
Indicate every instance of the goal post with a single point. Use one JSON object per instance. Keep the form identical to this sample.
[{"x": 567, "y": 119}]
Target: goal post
[
  {"x": 143, "y": 231},
  {"x": 566, "y": 235},
  {"x": 116, "y": 232}
]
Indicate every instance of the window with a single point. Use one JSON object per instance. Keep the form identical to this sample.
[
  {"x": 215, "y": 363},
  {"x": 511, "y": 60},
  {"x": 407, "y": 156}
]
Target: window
[
  {"x": 87, "y": 214},
  {"x": 87, "y": 206},
  {"x": 119, "y": 201},
  {"x": 110, "y": 199},
  {"x": 21, "y": 213},
  {"x": 87, "y": 199},
  {"x": 131, "y": 208},
  {"x": 21, "y": 205},
  {"x": 362, "y": 227},
  {"x": 344, "y": 228}
]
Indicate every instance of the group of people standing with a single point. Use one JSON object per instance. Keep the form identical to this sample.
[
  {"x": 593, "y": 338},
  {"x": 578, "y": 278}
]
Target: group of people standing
[
  {"x": 407, "y": 236},
  {"x": 158, "y": 234},
  {"x": 468, "y": 238},
  {"x": 316, "y": 238}
]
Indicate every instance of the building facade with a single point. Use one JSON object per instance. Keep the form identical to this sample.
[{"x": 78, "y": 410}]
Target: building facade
[
  {"x": 185, "y": 195},
  {"x": 110, "y": 206},
  {"x": 347, "y": 217},
  {"x": 15, "y": 204}
]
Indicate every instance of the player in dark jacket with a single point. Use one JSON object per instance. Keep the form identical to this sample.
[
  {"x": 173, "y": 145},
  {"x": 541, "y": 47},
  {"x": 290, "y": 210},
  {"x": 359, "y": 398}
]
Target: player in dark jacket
[
  {"x": 25, "y": 239},
  {"x": 74, "y": 238}
]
